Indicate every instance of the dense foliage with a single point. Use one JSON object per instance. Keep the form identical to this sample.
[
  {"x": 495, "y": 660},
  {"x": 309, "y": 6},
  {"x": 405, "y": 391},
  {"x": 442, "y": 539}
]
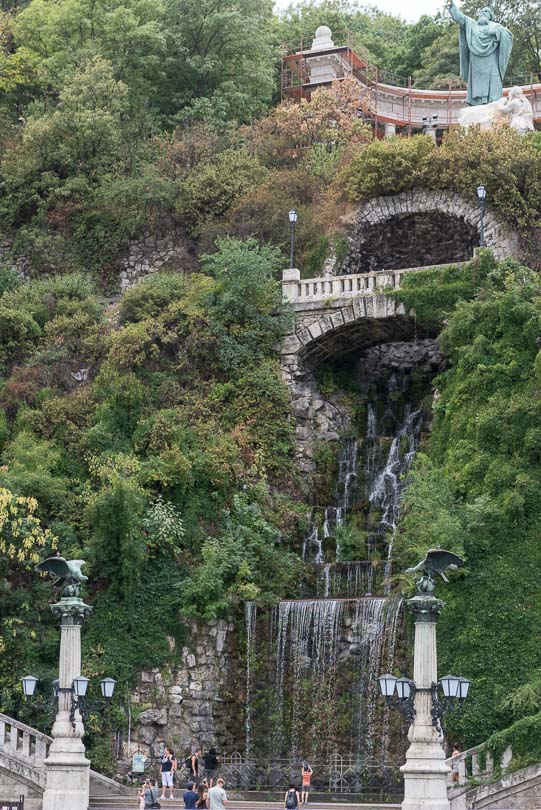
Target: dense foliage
[
  {"x": 150, "y": 437},
  {"x": 476, "y": 491}
]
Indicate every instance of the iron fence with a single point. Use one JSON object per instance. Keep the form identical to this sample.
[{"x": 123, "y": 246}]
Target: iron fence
[
  {"x": 12, "y": 804},
  {"x": 339, "y": 774}
]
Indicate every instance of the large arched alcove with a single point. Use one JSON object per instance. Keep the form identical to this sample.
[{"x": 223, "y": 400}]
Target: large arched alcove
[
  {"x": 413, "y": 240},
  {"x": 420, "y": 228}
]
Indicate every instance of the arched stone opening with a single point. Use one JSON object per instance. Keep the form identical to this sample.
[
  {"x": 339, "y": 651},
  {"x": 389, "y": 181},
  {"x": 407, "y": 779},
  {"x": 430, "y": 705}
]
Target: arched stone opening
[
  {"x": 419, "y": 228},
  {"x": 351, "y": 339},
  {"x": 420, "y": 239}
]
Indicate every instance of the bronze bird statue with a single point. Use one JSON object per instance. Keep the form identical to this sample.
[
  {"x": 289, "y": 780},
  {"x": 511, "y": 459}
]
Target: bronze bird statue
[
  {"x": 436, "y": 561},
  {"x": 66, "y": 574}
]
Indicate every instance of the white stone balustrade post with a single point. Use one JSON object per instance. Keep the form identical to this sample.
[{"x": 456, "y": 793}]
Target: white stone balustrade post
[
  {"x": 290, "y": 284},
  {"x": 425, "y": 770},
  {"x": 67, "y": 768}
]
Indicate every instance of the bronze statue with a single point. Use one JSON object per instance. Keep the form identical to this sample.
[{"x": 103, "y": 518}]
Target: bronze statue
[
  {"x": 67, "y": 574},
  {"x": 485, "y": 48},
  {"x": 436, "y": 561}
]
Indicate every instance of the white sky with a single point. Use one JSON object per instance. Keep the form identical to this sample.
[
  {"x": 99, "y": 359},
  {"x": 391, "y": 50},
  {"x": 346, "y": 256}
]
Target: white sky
[{"x": 409, "y": 10}]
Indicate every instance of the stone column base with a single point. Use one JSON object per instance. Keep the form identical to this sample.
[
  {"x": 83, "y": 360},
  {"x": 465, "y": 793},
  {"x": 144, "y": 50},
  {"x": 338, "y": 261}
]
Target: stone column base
[{"x": 68, "y": 782}]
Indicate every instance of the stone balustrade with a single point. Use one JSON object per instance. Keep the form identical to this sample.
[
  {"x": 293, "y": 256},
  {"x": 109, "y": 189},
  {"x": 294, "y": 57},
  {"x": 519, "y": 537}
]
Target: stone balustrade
[
  {"x": 477, "y": 763},
  {"x": 19, "y": 740},
  {"x": 326, "y": 288}
]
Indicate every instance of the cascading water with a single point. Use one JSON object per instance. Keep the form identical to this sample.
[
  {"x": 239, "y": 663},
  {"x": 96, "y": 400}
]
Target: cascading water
[
  {"x": 250, "y": 615},
  {"x": 328, "y": 649}
]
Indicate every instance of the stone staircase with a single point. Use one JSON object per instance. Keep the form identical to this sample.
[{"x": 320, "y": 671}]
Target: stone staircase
[
  {"x": 115, "y": 803},
  {"x": 22, "y": 771}
]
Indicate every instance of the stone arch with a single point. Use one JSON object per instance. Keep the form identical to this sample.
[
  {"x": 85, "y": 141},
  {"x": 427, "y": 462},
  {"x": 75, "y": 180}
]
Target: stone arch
[{"x": 418, "y": 228}]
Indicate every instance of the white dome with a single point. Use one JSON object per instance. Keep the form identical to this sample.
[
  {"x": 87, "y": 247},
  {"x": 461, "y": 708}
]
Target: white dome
[
  {"x": 323, "y": 31},
  {"x": 322, "y": 39}
]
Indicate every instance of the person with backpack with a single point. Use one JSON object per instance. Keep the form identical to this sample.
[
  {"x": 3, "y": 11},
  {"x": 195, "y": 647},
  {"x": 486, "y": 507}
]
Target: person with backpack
[
  {"x": 151, "y": 796},
  {"x": 291, "y": 799}
]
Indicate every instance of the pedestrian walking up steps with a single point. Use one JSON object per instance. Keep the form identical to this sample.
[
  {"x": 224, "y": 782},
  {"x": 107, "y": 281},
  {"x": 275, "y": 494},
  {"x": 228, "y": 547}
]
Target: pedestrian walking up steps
[{"x": 120, "y": 803}]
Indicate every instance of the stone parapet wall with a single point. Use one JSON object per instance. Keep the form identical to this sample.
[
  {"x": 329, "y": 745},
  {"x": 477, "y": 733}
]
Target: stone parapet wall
[{"x": 151, "y": 253}]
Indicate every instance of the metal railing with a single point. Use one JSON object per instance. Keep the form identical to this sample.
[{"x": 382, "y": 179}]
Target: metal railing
[
  {"x": 12, "y": 804},
  {"x": 340, "y": 773}
]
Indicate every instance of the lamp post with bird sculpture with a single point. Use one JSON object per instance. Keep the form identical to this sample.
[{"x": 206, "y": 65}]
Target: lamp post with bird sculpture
[
  {"x": 67, "y": 768},
  {"x": 425, "y": 770}
]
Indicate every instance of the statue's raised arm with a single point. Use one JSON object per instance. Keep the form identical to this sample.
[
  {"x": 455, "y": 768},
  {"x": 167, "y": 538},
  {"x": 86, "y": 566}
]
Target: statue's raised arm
[
  {"x": 485, "y": 48},
  {"x": 456, "y": 13}
]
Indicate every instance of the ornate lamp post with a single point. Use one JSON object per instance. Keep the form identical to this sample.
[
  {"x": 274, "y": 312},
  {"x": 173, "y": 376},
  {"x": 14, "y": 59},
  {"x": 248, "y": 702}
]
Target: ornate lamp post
[
  {"x": 67, "y": 768},
  {"x": 425, "y": 771},
  {"x": 481, "y": 196},
  {"x": 293, "y": 216}
]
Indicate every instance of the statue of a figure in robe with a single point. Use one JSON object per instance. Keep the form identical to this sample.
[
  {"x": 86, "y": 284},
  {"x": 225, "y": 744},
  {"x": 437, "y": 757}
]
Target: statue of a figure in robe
[{"x": 485, "y": 48}]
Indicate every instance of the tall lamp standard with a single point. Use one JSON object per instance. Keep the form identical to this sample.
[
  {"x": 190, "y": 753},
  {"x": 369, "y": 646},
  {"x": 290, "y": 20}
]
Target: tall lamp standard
[
  {"x": 293, "y": 216},
  {"x": 425, "y": 770},
  {"x": 66, "y": 767},
  {"x": 481, "y": 196}
]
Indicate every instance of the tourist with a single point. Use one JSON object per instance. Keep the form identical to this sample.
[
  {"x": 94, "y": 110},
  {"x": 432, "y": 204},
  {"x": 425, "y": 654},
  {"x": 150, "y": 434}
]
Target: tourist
[
  {"x": 190, "y": 797},
  {"x": 167, "y": 769},
  {"x": 218, "y": 796},
  {"x": 151, "y": 794},
  {"x": 141, "y": 793},
  {"x": 454, "y": 763},
  {"x": 193, "y": 766},
  {"x": 306, "y": 779},
  {"x": 211, "y": 763},
  {"x": 203, "y": 793},
  {"x": 291, "y": 799}
]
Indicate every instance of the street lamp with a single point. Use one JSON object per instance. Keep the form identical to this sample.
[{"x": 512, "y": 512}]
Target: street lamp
[
  {"x": 405, "y": 695},
  {"x": 78, "y": 691},
  {"x": 29, "y": 685},
  {"x": 481, "y": 196},
  {"x": 425, "y": 770},
  {"x": 293, "y": 216},
  {"x": 107, "y": 686}
]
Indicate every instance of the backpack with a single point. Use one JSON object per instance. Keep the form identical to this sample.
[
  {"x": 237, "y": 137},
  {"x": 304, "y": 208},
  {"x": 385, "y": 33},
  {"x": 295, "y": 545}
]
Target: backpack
[
  {"x": 291, "y": 800},
  {"x": 188, "y": 763}
]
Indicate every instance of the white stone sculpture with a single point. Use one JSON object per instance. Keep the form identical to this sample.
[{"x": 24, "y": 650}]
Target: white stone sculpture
[
  {"x": 519, "y": 111},
  {"x": 514, "y": 110}
]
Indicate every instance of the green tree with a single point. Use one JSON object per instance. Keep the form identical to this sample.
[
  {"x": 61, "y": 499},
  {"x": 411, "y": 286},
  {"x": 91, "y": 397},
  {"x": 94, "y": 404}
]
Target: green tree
[
  {"x": 246, "y": 307},
  {"x": 219, "y": 58}
]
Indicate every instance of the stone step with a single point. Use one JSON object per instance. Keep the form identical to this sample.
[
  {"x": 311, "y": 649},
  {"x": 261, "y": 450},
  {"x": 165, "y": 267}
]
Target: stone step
[{"x": 118, "y": 803}]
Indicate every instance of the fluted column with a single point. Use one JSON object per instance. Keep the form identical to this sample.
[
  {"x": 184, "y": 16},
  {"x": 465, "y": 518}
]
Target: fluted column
[
  {"x": 67, "y": 769},
  {"x": 425, "y": 771}
]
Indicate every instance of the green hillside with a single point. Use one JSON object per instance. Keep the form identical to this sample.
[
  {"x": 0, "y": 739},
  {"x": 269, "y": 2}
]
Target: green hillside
[{"x": 153, "y": 436}]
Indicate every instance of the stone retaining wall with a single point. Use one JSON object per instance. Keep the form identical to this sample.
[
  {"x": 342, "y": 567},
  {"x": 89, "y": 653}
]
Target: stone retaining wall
[{"x": 197, "y": 703}]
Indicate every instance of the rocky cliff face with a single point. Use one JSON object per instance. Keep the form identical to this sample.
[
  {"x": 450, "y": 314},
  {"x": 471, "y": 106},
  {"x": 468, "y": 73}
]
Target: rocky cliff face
[{"x": 200, "y": 702}]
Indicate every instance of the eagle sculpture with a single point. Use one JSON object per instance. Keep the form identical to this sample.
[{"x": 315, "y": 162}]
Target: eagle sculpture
[
  {"x": 66, "y": 574},
  {"x": 436, "y": 561}
]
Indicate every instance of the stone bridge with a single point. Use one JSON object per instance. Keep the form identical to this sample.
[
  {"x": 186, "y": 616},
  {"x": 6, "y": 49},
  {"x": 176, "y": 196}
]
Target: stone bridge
[
  {"x": 349, "y": 314},
  {"x": 23, "y": 751},
  {"x": 335, "y": 315}
]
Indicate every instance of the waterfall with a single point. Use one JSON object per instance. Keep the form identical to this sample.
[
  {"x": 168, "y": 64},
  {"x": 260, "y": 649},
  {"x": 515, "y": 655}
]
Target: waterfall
[
  {"x": 326, "y": 652},
  {"x": 329, "y": 653},
  {"x": 250, "y": 615},
  {"x": 345, "y": 580}
]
